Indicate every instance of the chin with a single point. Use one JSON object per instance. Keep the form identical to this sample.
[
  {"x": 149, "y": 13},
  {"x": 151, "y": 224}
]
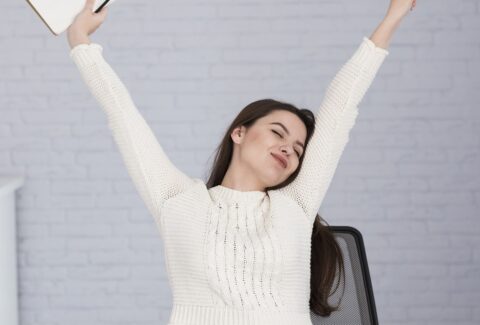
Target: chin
[{"x": 275, "y": 180}]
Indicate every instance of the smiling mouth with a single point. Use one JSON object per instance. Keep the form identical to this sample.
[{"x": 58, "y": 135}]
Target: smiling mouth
[{"x": 279, "y": 161}]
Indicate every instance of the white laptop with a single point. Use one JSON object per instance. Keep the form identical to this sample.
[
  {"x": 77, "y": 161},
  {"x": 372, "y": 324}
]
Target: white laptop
[{"x": 58, "y": 15}]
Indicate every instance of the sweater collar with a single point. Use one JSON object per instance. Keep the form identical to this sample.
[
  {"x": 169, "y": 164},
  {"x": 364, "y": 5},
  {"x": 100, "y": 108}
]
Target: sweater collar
[{"x": 229, "y": 195}]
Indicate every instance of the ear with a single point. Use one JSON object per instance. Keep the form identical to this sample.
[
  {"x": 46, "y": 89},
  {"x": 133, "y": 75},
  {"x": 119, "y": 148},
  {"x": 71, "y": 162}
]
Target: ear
[{"x": 238, "y": 134}]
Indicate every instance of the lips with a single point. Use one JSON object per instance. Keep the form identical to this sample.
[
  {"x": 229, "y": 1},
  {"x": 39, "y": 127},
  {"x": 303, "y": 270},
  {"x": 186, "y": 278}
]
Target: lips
[{"x": 282, "y": 160}]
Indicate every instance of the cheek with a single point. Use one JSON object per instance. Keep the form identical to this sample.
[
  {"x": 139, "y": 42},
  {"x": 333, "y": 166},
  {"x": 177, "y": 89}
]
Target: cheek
[
  {"x": 257, "y": 152},
  {"x": 254, "y": 148},
  {"x": 260, "y": 143},
  {"x": 297, "y": 166}
]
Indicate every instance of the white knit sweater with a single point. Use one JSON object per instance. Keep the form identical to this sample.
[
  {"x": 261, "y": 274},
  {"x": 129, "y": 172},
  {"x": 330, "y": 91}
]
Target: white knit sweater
[{"x": 233, "y": 257}]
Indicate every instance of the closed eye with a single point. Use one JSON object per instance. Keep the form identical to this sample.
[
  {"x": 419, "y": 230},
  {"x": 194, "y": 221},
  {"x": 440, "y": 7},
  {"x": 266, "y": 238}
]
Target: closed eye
[{"x": 298, "y": 154}]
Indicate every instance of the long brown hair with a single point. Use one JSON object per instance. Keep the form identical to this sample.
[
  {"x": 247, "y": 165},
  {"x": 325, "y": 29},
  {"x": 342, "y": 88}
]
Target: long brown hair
[{"x": 326, "y": 254}]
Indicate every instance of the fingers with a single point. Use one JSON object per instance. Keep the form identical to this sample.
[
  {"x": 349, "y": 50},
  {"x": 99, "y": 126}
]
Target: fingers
[
  {"x": 89, "y": 4},
  {"x": 102, "y": 13}
]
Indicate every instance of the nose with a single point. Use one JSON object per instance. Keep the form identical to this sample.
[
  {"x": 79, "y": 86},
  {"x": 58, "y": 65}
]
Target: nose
[{"x": 284, "y": 149}]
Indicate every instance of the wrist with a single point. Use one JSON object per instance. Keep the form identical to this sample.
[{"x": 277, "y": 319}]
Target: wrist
[
  {"x": 77, "y": 38},
  {"x": 391, "y": 20}
]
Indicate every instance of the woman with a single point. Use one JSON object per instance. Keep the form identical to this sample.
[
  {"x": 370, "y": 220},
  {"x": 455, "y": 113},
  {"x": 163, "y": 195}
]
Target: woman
[{"x": 247, "y": 246}]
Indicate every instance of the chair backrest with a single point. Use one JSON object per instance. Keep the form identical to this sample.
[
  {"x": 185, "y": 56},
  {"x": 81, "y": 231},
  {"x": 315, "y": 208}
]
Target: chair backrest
[{"x": 357, "y": 306}]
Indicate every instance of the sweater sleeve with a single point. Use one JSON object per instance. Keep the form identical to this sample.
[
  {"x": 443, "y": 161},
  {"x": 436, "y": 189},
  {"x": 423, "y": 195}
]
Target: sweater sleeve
[
  {"x": 153, "y": 174},
  {"x": 333, "y": 122}
]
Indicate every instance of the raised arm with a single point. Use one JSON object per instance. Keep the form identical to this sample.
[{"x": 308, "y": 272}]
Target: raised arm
[
  {"x": 338, "y": 112},
  {"x": 152, "y": 172}
]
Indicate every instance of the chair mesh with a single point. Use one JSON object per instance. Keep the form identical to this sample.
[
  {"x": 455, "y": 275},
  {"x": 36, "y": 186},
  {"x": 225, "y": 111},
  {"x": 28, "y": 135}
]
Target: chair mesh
[{"x": 356, "y": 306}]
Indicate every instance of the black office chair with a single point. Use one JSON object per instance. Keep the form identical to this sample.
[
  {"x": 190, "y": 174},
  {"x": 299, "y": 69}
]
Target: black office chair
[{"x": 357, "y": 306}]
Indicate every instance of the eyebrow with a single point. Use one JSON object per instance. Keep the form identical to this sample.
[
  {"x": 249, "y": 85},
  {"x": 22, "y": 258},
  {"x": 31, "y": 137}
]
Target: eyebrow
[{"x": 286, "y": 130}]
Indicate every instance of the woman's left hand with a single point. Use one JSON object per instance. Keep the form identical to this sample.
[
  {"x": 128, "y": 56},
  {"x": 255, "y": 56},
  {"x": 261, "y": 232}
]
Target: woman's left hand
[{"x": 399, "y": 8}]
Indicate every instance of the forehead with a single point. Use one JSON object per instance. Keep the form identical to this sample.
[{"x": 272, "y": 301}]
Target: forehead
[{"x": 291, "y": 121}]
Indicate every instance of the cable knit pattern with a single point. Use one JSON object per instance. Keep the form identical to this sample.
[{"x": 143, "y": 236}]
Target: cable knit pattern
[
  {"x": 233, "y": 257},
  {"x": 248, "y": 278}
]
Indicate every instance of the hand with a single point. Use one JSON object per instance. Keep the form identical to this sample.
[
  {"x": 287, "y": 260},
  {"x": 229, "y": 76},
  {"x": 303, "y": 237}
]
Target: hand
[
  {"x": 399, "y": 9},
  {"x": 86, "y": 22}
]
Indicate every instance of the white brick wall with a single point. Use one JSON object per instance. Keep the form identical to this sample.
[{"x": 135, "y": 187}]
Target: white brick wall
[{"x": 409, "y": 180}]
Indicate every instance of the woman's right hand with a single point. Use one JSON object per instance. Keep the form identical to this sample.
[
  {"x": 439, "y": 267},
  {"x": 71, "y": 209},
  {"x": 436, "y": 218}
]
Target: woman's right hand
[
  {"x": 398, "y": 9},
  {"x": 85, "y": 23}
]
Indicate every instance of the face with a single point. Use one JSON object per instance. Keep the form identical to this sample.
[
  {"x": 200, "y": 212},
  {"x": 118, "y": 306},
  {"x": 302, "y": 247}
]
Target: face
[{"x": 280, "y": 133}]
